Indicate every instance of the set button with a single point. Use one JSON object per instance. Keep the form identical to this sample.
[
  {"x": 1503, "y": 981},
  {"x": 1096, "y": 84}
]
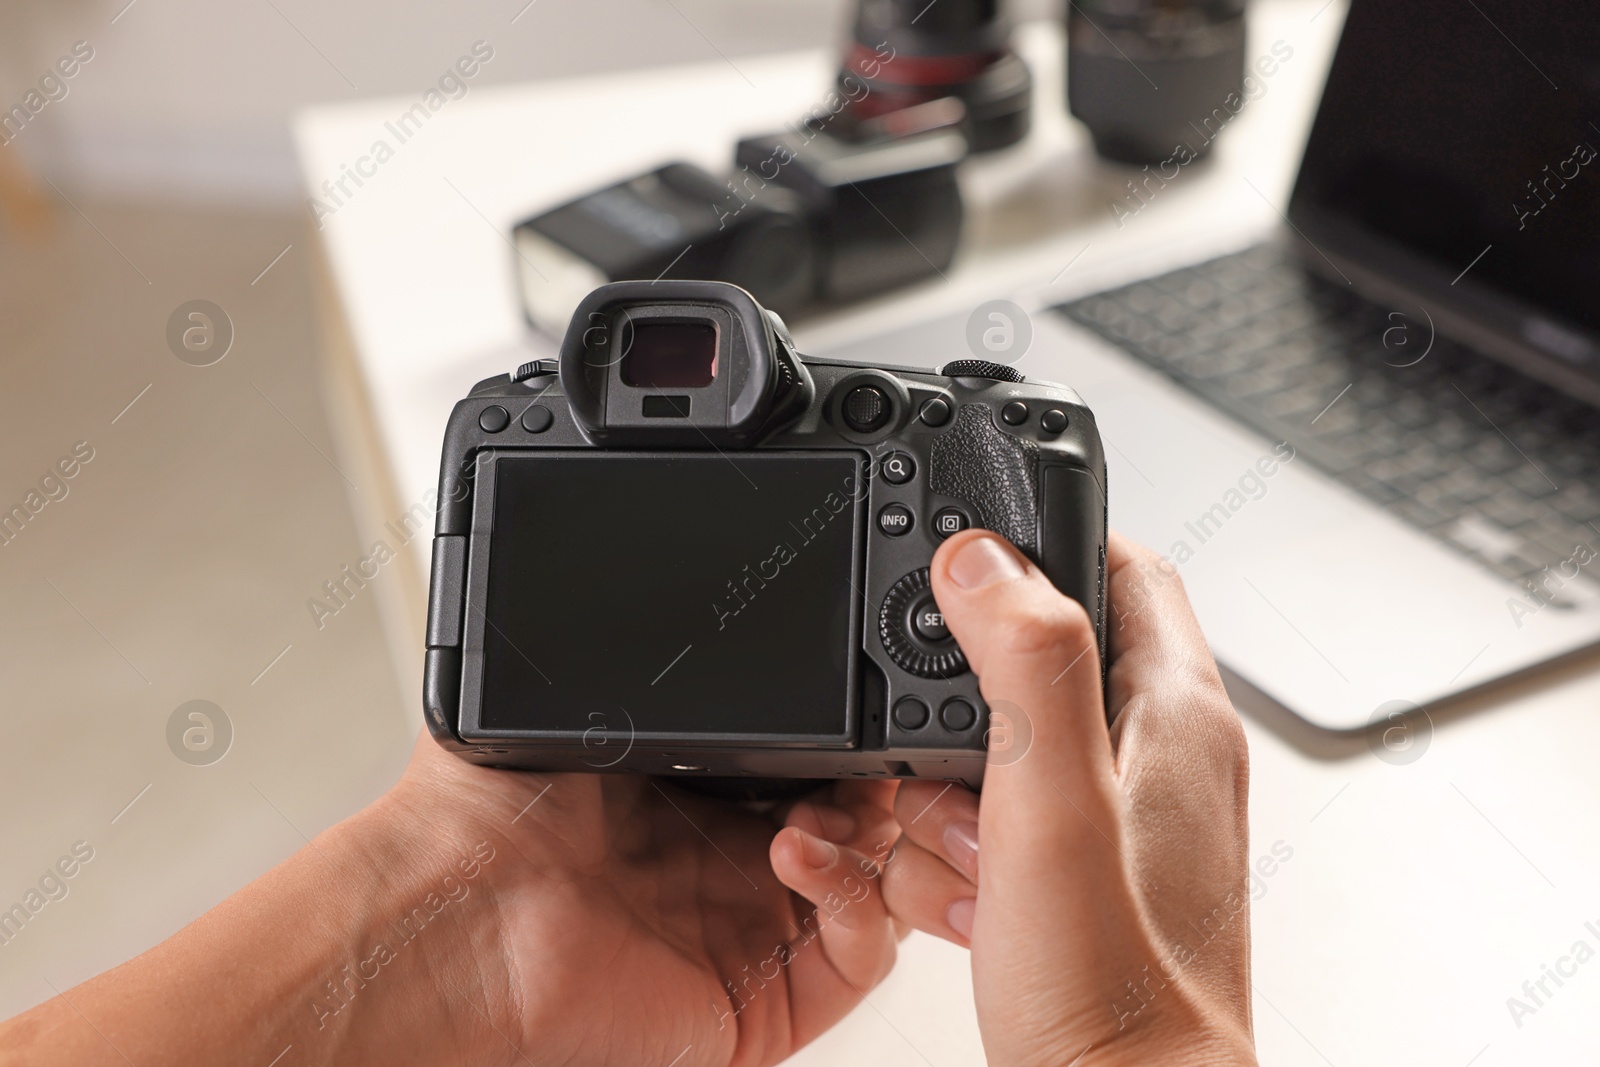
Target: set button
[
  {"x": 896, "y": 520},
  {"x": 928, "y": 621},
  {"x": 924, "y": 623}
]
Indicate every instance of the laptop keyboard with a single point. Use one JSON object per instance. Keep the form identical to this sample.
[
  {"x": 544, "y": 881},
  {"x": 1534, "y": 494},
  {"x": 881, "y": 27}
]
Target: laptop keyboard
[{"x": 1494, "y": 464}]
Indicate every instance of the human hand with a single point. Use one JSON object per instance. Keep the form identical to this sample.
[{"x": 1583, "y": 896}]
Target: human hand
[
  {"x": 492, "y": 917},
  {"x": 636, "y": 924},
  {"x": 1108, "y": 918}
]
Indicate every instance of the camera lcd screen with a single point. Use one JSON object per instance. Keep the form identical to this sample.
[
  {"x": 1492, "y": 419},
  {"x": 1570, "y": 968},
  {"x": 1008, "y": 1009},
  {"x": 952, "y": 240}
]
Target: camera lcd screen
[
  {"x": 691, "y": 594},
  {"x": 669, "y": 355}
]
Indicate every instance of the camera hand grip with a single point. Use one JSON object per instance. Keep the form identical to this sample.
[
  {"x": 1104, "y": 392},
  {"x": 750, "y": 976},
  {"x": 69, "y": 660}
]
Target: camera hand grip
[{"x": 993, "y": 471}]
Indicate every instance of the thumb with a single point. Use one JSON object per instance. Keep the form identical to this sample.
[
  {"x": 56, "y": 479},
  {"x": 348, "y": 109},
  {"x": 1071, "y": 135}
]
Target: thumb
[{"x": 1037, "y": 662}]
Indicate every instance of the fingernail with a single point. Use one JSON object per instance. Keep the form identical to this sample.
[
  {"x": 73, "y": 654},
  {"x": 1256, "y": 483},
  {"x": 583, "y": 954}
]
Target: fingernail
[
  {"x": 959, "y": 916},
  {"x": 817, "y": 852},
  {"x": 983, "y": 561},
  {"x": 961, "y": 845}
]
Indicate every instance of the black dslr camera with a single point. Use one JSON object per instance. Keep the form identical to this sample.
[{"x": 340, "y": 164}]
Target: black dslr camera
[{"x": 682, "y": 549}]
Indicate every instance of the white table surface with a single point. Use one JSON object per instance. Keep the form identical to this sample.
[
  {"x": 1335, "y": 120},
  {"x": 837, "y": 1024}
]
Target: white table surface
[{"x": 1419, "y": 897}]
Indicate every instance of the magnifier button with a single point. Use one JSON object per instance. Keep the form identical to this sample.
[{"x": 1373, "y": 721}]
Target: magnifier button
[{"x": 898, "y": 468}]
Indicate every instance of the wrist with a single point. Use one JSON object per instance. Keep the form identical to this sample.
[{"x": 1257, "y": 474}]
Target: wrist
[
  {"x": 1190, "y": 1039},
  {"x": 426, "y": 955},
  {"x": 378, "y": 944},
  {"x": 1181, "y": 1033}
]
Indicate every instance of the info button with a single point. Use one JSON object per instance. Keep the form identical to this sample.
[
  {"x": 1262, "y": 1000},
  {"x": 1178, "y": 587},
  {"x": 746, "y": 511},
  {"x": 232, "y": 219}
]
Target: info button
[{"x": 896, "y": 520}]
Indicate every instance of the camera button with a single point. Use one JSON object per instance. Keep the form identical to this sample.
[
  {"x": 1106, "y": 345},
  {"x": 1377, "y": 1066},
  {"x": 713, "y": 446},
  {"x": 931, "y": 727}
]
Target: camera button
[
  {"x": 1053, "y": 421},
  {"x": 866, "y": 408},
  {"x": 898, "y": 468},
  {"x": 537, "y": 419},
  {"x": 1015, "y": 413},
  {"x": 935, "y": 412},
  {"x": 928, "y": 621},
  {"x": 910, "y": 713},
  {"x": 494, "y": 418},
  {"x": 896, "y": 520},
  {"x": 950, "y": 521},
  {"x": 897, "y": 628},
  {"x": 958, "y": 714}
]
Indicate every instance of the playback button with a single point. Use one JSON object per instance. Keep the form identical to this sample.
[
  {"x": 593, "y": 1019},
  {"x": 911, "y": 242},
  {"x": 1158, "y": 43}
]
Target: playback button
[{"x": 896, "y": 520}]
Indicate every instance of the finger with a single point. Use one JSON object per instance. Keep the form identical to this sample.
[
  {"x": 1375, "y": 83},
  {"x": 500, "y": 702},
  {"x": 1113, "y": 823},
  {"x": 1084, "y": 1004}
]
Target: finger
[
  {"x": 852, "y": 791},
  {"x": 1153, "y": 633},
  {"x": 863, "y": 827},
  {"x": 861, "y": 816},
  {"x": 1173, "y": 714},
  {"x": 822, "y": 820},
  {"x": 941, "y": 818},
  {"x": 833, "y": 878},
  {"x": 872, "y": 804},
  {"x": 848, "y": 944},
  {"x": 1051, "y": 818},
  {"x": 872, "y": 797},
  {"x": 925, "y": 892},
  {"x": 1034, "y": 651}
]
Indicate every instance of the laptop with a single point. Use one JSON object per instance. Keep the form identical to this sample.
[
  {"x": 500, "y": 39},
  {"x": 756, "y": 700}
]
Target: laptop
[{"x": 1371, "y": 444}]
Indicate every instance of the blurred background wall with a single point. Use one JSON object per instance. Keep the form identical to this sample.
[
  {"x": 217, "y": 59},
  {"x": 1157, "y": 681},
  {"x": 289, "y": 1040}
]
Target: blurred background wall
[{"x": 189, "y": 98}]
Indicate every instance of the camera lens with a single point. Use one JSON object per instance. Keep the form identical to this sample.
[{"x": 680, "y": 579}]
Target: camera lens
[
  {"x": 906, "y": 53},
  {"x": 1119, "y": 50}
]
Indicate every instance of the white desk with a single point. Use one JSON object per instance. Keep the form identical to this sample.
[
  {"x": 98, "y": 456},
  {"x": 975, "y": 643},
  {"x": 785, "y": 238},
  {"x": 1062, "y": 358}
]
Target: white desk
[{"x": 1418, "y": 898}]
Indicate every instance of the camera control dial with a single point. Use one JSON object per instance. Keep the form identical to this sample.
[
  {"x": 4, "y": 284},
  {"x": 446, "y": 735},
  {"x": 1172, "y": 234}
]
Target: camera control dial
[
  {"x": 914, "y": 633},
  {"x": 981, "y": 368}
]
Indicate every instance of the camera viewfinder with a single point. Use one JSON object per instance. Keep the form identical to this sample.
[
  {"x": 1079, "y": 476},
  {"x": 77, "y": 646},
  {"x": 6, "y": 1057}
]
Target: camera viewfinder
[{"x": 670, "y": 355}]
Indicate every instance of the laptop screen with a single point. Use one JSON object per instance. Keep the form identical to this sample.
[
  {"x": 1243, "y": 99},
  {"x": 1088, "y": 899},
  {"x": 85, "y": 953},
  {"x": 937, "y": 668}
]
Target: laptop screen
[{"x": 1458, "y": 147}]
